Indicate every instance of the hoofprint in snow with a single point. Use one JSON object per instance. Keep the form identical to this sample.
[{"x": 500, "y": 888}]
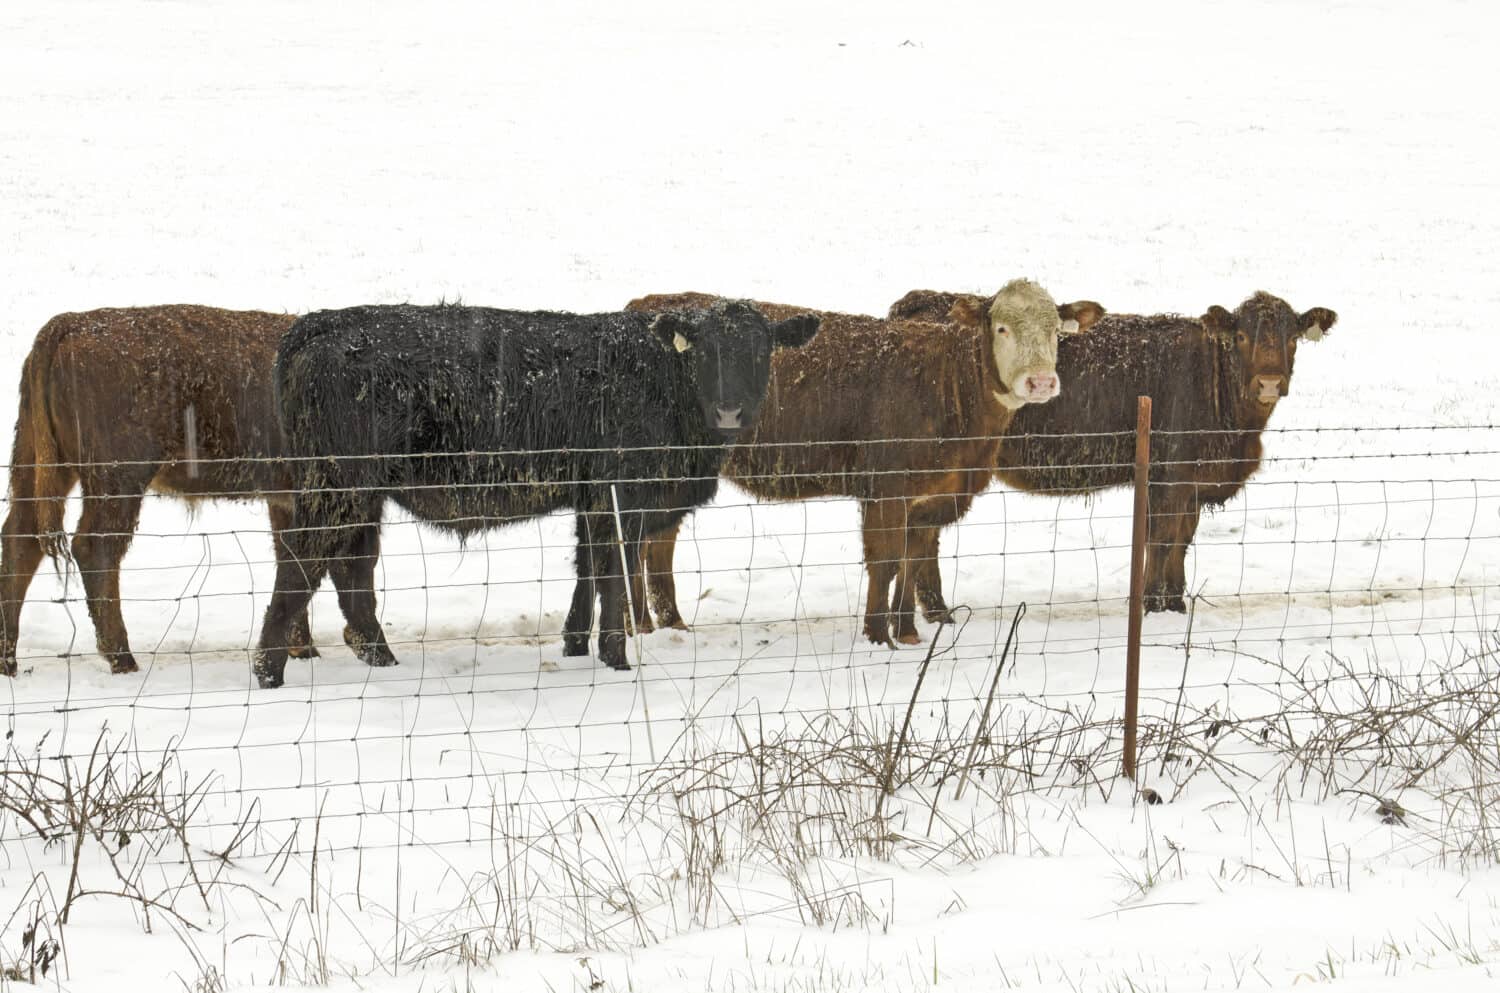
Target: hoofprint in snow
[{"x": 491, "y": 813}]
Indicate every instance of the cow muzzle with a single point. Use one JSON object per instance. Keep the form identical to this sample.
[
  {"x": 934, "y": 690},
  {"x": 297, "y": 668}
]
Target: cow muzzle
[
  {"x": 728, "y": 418},
  {"x": 1269, "y": 389},
  {"x": 1038, "y": 387}
]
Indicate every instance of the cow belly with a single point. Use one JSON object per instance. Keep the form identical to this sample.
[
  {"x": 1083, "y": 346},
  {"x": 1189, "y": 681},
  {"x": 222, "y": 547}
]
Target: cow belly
[
  {"x": 232, "y": 480},
  {"x": 466, "y": 510}
]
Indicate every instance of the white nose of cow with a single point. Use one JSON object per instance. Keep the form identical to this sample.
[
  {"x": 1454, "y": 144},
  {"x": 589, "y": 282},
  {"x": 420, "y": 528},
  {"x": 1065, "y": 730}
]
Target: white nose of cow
[
  {"x": 729, "y": 418},
  {"x": 1040, "y": 387}
]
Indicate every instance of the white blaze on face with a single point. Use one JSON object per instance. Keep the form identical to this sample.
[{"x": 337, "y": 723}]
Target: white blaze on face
[{"x": 1024, "y": 326}]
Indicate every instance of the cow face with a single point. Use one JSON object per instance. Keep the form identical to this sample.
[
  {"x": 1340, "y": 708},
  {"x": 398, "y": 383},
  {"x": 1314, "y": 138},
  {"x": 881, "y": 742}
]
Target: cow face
[
  {"x": 1264, "y": 332},
  {"x": 1023, "y": 322},
  {"x": 728, "y": 350}
]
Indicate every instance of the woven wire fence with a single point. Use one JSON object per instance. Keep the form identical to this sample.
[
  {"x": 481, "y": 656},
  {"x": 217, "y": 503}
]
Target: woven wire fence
[{"x": 1356, "y": 560}]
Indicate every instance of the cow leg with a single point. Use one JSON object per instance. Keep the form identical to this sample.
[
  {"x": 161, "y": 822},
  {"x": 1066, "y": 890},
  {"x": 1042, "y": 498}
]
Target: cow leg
[
  {"x": 919, "y": 563},
  {"x": 105, "y": 529},
  {"x": 1176, "y": 565},
  {"x": 599, "y": 574},
  {"x": 353, "y": 573},
  {"x": 640, "y": 620},
  {"x": 903, "y": 605},
  {"x": 300, "y": 567},
  {"x": 612, "y": 606},
  {"x": 928, "y": 518},
  {"x": 884, "y": 525},
  {"x": 1174, "y": 515},
  {"x": 661, "y": 581},
  {"x": 299, "y": 638},
  {"x": 21, "y": 552},
  {"x": 580, "y": 621}
]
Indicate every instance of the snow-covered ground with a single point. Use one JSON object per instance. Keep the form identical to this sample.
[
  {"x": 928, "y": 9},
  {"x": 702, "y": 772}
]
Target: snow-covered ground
[{"x": 415, "y": 824}]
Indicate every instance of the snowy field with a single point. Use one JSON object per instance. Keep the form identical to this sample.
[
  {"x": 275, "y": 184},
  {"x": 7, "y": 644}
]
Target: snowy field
[{"x": 492, "y": 815}]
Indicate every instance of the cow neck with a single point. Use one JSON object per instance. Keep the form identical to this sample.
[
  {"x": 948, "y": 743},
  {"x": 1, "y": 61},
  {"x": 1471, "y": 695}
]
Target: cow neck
[
  {"x": 996, "y": 391},
  {"x": 1230, "y": 407}
]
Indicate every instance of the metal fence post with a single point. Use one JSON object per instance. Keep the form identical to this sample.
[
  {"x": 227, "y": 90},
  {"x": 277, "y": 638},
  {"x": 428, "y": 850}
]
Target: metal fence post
[{"x": 1137, "y": 577}]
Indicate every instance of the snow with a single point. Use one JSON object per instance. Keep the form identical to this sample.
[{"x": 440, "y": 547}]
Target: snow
[{"x": 1159, "y": 157}]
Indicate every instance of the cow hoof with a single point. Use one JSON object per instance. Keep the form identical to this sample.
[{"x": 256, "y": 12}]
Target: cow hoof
[
  {"x": 937, "y": 615},
  {"x": 1163, "y": 603},
  {"x": 612, "y": 651},
  {"x": 123, "y": 664},
  {"x": 575, "y": 644},
  {"x": 909, "y": 638},
  {"x": 671, "y": 619},
  {"x": 376, "y": 656},
  {"x": 299, "y": 640},
  {"x": 878, "y": 637},
  {"x": 643, "y": 626},
  {"x": 374, "y": 653},
  {"x": 269, "y": 674}
]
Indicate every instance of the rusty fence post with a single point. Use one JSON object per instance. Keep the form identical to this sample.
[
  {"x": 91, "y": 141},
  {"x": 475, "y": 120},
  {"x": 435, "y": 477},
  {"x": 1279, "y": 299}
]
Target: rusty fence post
[{"x": 1137, "y": 577}]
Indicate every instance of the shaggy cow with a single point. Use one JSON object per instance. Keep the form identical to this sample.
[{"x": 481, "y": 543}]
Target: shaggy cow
[
  {"x": 176, "y": 399},
  {"x": 470, "y": 418},
  {"x": 1214, "y": 382},
  {"x": 833, "y": 427}
]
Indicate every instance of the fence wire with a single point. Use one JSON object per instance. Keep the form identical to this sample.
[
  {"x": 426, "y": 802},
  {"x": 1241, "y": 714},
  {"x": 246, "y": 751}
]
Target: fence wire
[{"x": 1351, "y": 552}]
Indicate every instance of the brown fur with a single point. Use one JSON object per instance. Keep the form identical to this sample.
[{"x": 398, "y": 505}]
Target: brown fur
[
  {"x": 104, "y": 402},
  {"x": 836, "y": 393},
  {"x": 1204, "y": 375}
]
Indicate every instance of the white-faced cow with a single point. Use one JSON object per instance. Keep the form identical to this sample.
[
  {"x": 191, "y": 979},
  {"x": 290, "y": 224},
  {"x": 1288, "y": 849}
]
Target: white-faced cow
[
  {"x": 1214, "y": 383},
  {"x": 905, "y": 416}
]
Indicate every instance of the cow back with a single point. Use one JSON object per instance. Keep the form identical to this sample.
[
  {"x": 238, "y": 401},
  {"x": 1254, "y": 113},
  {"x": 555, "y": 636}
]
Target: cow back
[{"x": 182, "y": 388}]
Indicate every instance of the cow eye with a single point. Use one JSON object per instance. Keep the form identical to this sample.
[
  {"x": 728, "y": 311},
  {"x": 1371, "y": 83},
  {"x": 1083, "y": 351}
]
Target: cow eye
[{"x": 1002, "y": 329}]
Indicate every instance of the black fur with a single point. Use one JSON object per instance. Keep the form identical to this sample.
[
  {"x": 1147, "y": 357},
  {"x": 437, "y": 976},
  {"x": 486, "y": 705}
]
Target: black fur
[{"x": 390, "y": 402}]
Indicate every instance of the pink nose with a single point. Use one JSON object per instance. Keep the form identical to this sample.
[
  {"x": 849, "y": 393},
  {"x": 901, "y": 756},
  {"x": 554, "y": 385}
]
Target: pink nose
[{"x": 1043, "y": 385}]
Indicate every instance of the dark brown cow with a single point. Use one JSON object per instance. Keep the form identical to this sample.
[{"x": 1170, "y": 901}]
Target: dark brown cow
[
  {"x": 1219, "y": 375},
  {"x": 126, "y": 400},
  {"x": 960, "y": 383}
]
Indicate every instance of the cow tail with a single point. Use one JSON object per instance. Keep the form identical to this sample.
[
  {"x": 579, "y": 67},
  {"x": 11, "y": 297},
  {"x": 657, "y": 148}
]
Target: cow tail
[{"x": 36, "y": 473}]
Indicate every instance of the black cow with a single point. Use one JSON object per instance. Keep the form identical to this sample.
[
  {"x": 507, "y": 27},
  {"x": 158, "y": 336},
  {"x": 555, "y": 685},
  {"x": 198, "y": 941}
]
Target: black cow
[{"x": 471, "y": 418}]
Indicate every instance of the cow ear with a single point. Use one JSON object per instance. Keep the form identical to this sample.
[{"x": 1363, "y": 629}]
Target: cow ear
[
  {"x": 973, "y": 312},
  {"x": 1081, "y": 314},
  {"x": 1219, "y": 323},
  {"x": 931, "y": 306},
  {"x": 1317, "y": 321},
  {"x": 674, "y": 332},
  {"x": 909, "y": 306},
  {"x": 794, "y": 332}
]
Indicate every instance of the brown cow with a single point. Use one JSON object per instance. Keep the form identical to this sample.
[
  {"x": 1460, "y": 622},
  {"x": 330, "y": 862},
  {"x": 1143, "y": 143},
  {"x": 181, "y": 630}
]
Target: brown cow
[
  {"x": 127, "y": 400},
  {"x": 912, "y": 465},
  {"x": 1214, "y": 382}
]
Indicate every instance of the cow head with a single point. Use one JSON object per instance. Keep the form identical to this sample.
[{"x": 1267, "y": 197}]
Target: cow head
[
  {"x": 1023, "y": 322},
  {"x": 1264, "y": 332},
  {"x": 727, "y": 349}
]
